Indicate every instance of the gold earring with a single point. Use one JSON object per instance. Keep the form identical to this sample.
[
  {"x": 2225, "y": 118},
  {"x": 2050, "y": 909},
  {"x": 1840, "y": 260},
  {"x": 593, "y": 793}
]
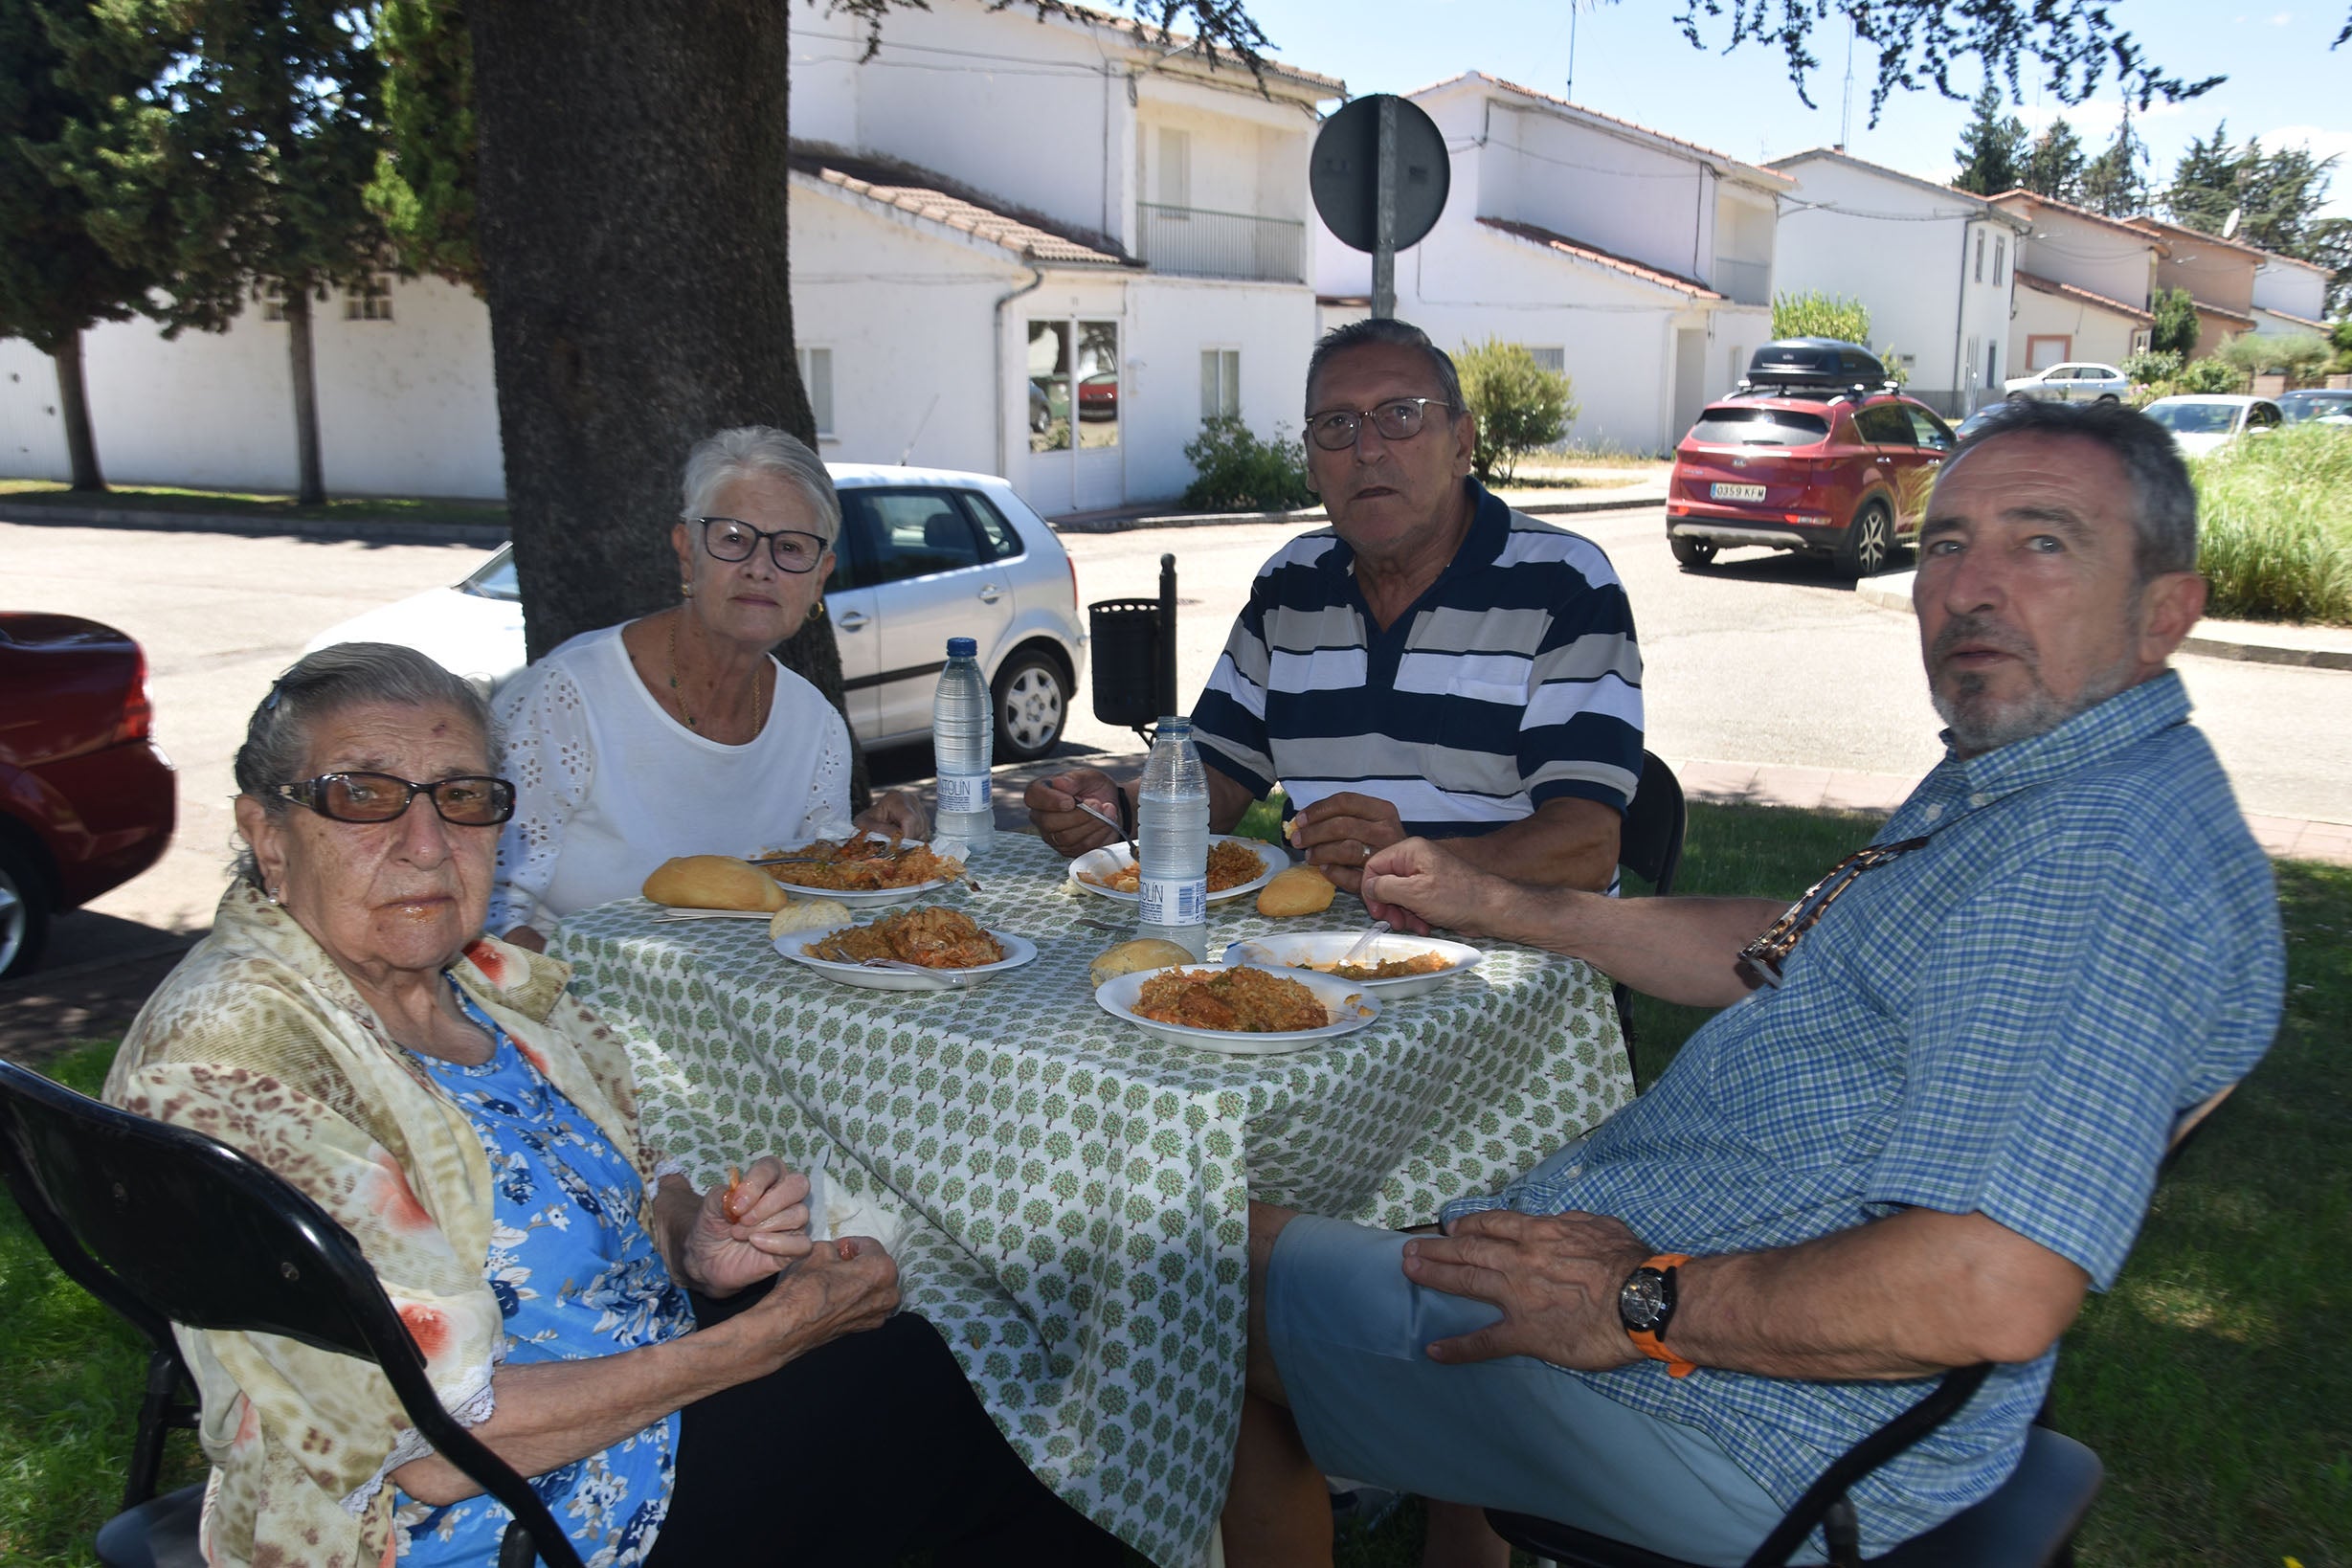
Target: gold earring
[{"x": 687, "y": 590}]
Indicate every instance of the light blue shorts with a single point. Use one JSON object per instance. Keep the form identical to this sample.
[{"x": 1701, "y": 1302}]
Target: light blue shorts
[{"x": 1347, "y": 1331}]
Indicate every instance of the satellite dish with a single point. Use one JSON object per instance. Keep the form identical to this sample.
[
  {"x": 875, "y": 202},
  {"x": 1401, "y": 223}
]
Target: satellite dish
[
  {"x": 1345, "y": 179},
  {"x": 2229, "y": 224}
]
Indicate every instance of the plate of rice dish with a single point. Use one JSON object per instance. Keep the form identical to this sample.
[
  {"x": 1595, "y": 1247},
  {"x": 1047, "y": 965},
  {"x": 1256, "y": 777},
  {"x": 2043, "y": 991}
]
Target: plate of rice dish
[
  {"x": 1236, "y": 867},
  {"x": 1238, "y": 1009},
  {"x": 866, "y": 870},
  {"x": 947, "y": 948},
  {"x": 1393, "y": 966}
]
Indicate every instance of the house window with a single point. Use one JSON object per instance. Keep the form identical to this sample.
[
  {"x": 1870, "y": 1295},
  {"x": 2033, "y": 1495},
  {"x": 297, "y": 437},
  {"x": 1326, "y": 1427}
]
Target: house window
[
  {"x": 1992, "y": 361},
  {"x": 1555, "y": 360},
  {"x": 1073, "y": 370},
  {"x": 1220, "y": 383},
  {"x": 2141, "y": 340},
  {"x": 1175, "y": 168},
  {"x": 816, "y": 378},
  {"x": 371, "y": 301},
  {"x": 1980, "y": 256},
  {"x": 2000, "y": 257},
  {"x": 273, "y": 303},
  {"x": 1971, "y": 361}
]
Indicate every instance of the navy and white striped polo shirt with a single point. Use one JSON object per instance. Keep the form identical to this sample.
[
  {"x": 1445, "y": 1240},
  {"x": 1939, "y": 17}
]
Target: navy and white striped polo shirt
[{"x": 1515, "y": 679}]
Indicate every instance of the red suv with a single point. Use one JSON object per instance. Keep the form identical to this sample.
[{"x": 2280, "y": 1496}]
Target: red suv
[
  {"x": 1844, "y": 473},
  {"x": 86, "y": 800}
]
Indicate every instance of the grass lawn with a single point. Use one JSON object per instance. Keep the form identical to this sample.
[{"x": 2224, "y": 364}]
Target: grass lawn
[
  {"x": 2274, "y": 526},
  {"x": 2212, "y": 1381},
  {"x": 22, "y": 494}
]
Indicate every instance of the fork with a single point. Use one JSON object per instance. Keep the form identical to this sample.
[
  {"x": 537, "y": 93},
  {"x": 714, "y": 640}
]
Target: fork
[
  {"x": 1363, "y": 944},
  {"x": 938, "y": 981},
  {"x": 1112, "y": 823}
]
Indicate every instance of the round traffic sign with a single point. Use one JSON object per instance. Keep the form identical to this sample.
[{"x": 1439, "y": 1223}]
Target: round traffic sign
[{"x": 1345, "y": 179}]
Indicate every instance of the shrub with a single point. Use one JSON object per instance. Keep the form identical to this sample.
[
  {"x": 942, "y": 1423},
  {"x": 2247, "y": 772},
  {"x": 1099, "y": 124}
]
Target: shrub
[
  {"x": 2274, "y": 526},
  {"x": 2152, "y": 365},
  {"x": 2175, "y": 322},
  {"x": 1237, "y": 472},
  {"x": 1814, "y": 314},
  {"x": 1520, "y": 406},
  {"x": 2209, "y": 376},
  {"x": 2300, "y": 355}
]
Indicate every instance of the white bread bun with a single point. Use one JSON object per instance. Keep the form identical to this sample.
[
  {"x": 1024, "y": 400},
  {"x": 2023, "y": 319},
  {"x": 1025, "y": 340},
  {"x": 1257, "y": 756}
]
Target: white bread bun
[
  {"x": 816, "y": 914},
  {"x": 1144, "y": 953},
  {"x": 1300, "y": 891},
  {"x": 714, "y": 882}
]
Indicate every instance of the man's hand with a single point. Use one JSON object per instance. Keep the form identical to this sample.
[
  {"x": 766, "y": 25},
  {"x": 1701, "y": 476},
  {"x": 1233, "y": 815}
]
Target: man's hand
[
  {"x": 897, "y": 813},
  {"x": 1420, "y": 880},
  {"x": 1341, "y": 833},
  {"x": 1555, "y": 1278},
  {"x": 1053, "y": 809},
  {"x": 747, "y": 1229}
]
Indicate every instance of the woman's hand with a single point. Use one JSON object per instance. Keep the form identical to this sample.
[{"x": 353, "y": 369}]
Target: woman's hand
[
  {"x": 747, "y": 1229},
  {"x": 841, "y": 1288},
  {"x": 897, "y": 813}
]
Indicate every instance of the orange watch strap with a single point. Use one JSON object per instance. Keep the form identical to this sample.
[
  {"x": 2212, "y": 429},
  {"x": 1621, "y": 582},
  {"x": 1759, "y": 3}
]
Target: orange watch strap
[{"x": 1648, "y": 1343}]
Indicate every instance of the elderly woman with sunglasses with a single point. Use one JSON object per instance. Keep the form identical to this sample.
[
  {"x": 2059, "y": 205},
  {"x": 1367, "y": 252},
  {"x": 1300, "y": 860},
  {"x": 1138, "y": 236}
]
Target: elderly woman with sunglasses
[
  {"x": 443, "y": 1098},
  {"x": 679, "y": 733}
]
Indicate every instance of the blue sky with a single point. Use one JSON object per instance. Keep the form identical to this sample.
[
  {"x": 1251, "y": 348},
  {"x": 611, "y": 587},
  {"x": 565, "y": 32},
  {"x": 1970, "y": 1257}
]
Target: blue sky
[{"x": 2285, "y": 86}]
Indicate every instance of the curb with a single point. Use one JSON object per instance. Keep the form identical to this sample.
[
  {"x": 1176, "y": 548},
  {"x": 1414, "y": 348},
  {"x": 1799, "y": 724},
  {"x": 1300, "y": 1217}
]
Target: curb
[
  {"x": 388, "y": 530},
  {"x": 1892, "y": 590},
  {"x": 1315, "y": 514}
]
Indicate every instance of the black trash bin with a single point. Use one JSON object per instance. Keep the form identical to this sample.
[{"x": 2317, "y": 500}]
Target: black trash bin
[{"x": 1124, "y": 644}]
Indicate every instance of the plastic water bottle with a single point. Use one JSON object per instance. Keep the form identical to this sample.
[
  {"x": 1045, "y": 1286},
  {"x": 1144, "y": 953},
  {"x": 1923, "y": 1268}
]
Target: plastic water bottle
[
  {"x": 963, "y": 738},
  {"x": 1172, "y": 842}
]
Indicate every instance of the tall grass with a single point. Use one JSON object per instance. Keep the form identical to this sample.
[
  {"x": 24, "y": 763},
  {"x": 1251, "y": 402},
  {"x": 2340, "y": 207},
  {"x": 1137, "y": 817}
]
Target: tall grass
[{"x": 2274, "y": 518}]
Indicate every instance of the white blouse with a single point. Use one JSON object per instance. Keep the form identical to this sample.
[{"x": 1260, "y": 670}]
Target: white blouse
[{"x": 607, "y": 786}]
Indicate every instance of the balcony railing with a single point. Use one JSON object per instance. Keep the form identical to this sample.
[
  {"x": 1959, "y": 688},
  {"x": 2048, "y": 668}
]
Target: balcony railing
[
  {"x": 1194, "y": 242},
  {"x": 1746, "y": 282}
]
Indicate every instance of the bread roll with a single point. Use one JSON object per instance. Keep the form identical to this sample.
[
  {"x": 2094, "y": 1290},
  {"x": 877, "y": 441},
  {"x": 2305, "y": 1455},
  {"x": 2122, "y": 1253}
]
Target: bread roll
[
  {"x": 816, "y": 915},
  {"x": 1144, "y": 953},
  {"x": 1300, "y": 891},
  {"x": 714, "y": 882}
]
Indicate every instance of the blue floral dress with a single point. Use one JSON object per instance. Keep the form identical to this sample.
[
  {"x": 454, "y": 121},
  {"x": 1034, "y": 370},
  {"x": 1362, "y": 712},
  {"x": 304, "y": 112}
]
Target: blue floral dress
[{"x": 575, "y": 1276}]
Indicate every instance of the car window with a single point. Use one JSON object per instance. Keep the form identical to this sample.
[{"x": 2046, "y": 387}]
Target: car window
[
  {"x": 911, "y": 533},
  {"x": 495, "y": 580},
  {"x": 2262, "y": 417},
  {"x": 2193, "y": 419},
  {"x": 1928, "y": 430},
  {"x": 997, "y": 534},
  {"x": 1759, "y": 427},
  {"x": 1883, "y": 425}
]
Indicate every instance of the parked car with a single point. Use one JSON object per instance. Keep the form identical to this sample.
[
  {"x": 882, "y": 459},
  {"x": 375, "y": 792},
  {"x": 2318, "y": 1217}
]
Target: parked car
[
  {"x": 86, "y": 800},
  {"x": 1829, "y": 473},
  {"x": 1098, "y": 395},
  {"x": 2077, "y": 381},
  {"x": 2203, "y": 424},
  {"x": 924, "y": 555},
  {"x": 2332, "y": 405}
]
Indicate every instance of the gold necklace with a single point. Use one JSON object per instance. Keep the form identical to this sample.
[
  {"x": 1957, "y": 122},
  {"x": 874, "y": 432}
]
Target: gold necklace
[{"x": 678, "y": 693}]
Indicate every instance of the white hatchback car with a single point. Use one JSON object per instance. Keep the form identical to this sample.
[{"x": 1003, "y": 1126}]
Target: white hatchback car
[
  {"x": 924, "y": 554},
  {"x": 2077, "y": 381},
  {"x": 2203, "y": 424}
]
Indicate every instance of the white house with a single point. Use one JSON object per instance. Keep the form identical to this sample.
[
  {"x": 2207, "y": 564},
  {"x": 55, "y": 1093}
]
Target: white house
[
  {"x": 1639, "y": 264},
  {"x": 2083, "y": 283},
  {"x": 1932, "y": 265},
  {"x": 2290, "y": 295},
  {"x": 1043, "y": 248}
]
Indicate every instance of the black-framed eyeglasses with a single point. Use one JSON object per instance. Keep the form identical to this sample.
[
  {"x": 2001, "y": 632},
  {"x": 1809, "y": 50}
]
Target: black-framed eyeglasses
[
  {"x": 732, "y": 539},
  {"x": 471, "y": 800},
  {"x": 1399, "y": 419},
  {"x": 1769, "y": 951}
]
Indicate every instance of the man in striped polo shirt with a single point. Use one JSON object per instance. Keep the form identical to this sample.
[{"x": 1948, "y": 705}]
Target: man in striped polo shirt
[{"x": 1433, "y": 664}]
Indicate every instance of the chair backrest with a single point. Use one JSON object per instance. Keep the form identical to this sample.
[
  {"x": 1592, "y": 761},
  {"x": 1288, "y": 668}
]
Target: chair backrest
[
  {"x": 1649, "y": 841},
  {"x": 189, "y": 1230}
]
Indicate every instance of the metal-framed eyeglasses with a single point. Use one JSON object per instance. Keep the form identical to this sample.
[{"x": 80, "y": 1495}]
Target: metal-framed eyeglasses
[
  {"x": 1769, "y": 951},
  {"x": 470, "y": 800},
  {"x": 1399, "y": 419},
  {"x": 732, "y": 539}
]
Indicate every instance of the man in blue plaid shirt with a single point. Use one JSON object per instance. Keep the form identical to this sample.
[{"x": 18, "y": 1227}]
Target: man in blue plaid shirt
[{"x": 1927, "y": 1119}]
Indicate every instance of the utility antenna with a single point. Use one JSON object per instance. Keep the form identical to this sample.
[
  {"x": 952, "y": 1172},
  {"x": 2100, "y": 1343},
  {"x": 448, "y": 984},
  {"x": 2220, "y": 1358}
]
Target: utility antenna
[
  {"x": 1570, "y": 93},
  {"x": 1845, "y": 120}
]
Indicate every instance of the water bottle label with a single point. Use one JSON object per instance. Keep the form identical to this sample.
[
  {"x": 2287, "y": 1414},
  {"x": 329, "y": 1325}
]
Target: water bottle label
[
  {"x": 1174, "y": 900},
  {"x": 963, "y": 792}
]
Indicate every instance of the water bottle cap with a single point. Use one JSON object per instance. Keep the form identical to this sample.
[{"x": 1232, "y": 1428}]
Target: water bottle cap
[
  {"x": 1175, "y": 724},
  {"x": 963, "y": 647}
]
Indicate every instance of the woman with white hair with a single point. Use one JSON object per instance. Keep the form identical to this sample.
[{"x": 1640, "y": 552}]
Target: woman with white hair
[{"x": 679, "y": 733}]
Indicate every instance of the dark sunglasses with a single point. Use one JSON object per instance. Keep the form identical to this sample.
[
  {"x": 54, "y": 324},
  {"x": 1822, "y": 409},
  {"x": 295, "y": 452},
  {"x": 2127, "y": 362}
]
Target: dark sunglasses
[
  {"x": 1769, "y": 951},
  {"x": 469, "y": 801}
]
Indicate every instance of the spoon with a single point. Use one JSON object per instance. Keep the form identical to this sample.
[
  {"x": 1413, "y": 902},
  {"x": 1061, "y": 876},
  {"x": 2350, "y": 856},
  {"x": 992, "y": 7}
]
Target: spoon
[{"x": 1363, "y": 944}]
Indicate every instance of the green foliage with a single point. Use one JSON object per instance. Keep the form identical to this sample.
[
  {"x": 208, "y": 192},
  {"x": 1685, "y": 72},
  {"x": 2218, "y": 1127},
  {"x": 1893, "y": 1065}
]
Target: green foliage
[
  {"x": 2054, "y": 167},
  {"x": 2276, "y": 195},
  {"x": 1992, "y": 150},
  {"x": 2300, "y": 356},
  {"x": 2274, "y": 526},
  {"x": 1519, "y": 405},
  {"x": 2341, "y": 334},
  {"x": 2152, "y": 366},
  {"x": 1237, "y": 472},
  {"x": 2113, "y": 183},
  {"x": 1814, "y": 314},
  {"x": 424, "y": 184},
  {"x": 2176, "y": 326},
  {"x": 2211, "y": 374}
]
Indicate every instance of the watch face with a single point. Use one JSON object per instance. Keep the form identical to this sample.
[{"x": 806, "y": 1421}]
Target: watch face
[{"x": 1643, "y": 1302}]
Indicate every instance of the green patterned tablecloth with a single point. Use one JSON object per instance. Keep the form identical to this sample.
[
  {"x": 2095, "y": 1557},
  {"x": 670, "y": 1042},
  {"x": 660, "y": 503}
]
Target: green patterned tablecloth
[{"x": 1075, "y": 1189}]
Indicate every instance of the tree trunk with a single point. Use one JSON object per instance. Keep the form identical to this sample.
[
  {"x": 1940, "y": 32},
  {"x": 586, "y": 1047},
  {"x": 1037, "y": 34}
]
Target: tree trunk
[
  {"x": 311, "y": 489},
  {"x": 73, "y": 406},
  {"x": 632, "y": 224}
]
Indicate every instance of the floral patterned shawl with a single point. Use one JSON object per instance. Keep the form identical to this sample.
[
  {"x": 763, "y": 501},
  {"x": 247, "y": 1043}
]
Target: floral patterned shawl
[{"x": 258, "y": 1040}]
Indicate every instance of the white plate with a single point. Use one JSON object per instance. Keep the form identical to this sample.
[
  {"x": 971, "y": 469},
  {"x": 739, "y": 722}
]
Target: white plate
[
  {"x": 1114, "y": 858},
  {"x": 1300, "y": 949},
  {"x": 1018, "y": 951},
  {"x": 1348, "y": 1007},
  {"x": 878, "y": 897}
]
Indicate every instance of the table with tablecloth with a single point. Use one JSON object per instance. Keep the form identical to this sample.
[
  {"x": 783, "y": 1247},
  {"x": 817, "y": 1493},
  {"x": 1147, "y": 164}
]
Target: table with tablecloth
[{"x": 1074, "y": 1190}]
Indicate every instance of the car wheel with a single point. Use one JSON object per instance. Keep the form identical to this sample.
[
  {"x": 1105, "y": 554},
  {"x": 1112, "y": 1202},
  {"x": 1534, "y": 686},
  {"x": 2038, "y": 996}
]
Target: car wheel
[
  {"x": 1033, "y": 705},
  {"x": 1864, "y": 550},
  {"x": 2021, "y": 397},
  {"x": 2109, "y": 397},
  {"x": 1692, "y": 553},
  {"x": 24, "y": 914}
]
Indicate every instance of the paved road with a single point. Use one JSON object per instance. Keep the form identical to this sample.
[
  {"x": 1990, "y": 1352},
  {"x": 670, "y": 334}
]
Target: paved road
[{"x": 1762, "y": 661}]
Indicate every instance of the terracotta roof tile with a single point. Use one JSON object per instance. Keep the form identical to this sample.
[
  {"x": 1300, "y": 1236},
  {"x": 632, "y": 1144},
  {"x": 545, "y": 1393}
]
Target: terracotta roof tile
[
  {"x": 943, "y": 201},
  {"x": 1654, "y": 276},
  {"x": 2035, "y": 198},
  {"x": 2050, "y": 286}
]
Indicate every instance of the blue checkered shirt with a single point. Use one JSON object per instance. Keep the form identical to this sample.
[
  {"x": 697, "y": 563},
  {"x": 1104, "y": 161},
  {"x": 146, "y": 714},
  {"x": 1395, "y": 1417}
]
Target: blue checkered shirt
[{"x": 2009, "y": 1020}]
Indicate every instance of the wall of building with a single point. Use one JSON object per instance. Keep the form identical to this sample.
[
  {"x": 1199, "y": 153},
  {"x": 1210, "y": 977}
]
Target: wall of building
[
  {"x": 2293, "y": 290},
  {"x": 2214, "y": 272},
  {"x": 2069, "y": 250},
  {"x": 2091, "y": 333}
]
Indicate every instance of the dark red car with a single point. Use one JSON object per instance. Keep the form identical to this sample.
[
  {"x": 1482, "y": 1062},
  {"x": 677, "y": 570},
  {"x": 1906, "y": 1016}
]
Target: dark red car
[
  {"x": 1843, "y": 474},
  {"x": 86, "y": 800}
]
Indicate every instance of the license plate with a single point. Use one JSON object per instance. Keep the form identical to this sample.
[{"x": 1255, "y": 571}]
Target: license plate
[{"x": 1736, "y": 492}]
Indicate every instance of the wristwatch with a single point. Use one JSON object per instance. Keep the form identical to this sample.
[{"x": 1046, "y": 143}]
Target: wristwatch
[{"x": 1646, "y": 1306}]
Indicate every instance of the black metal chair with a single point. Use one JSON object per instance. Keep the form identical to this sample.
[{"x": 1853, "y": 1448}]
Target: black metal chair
[
  {"x": 1650, "y": 845},
  {"x": 2028, "y": 1522},
  {"x": 166, "y": 1225}
]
